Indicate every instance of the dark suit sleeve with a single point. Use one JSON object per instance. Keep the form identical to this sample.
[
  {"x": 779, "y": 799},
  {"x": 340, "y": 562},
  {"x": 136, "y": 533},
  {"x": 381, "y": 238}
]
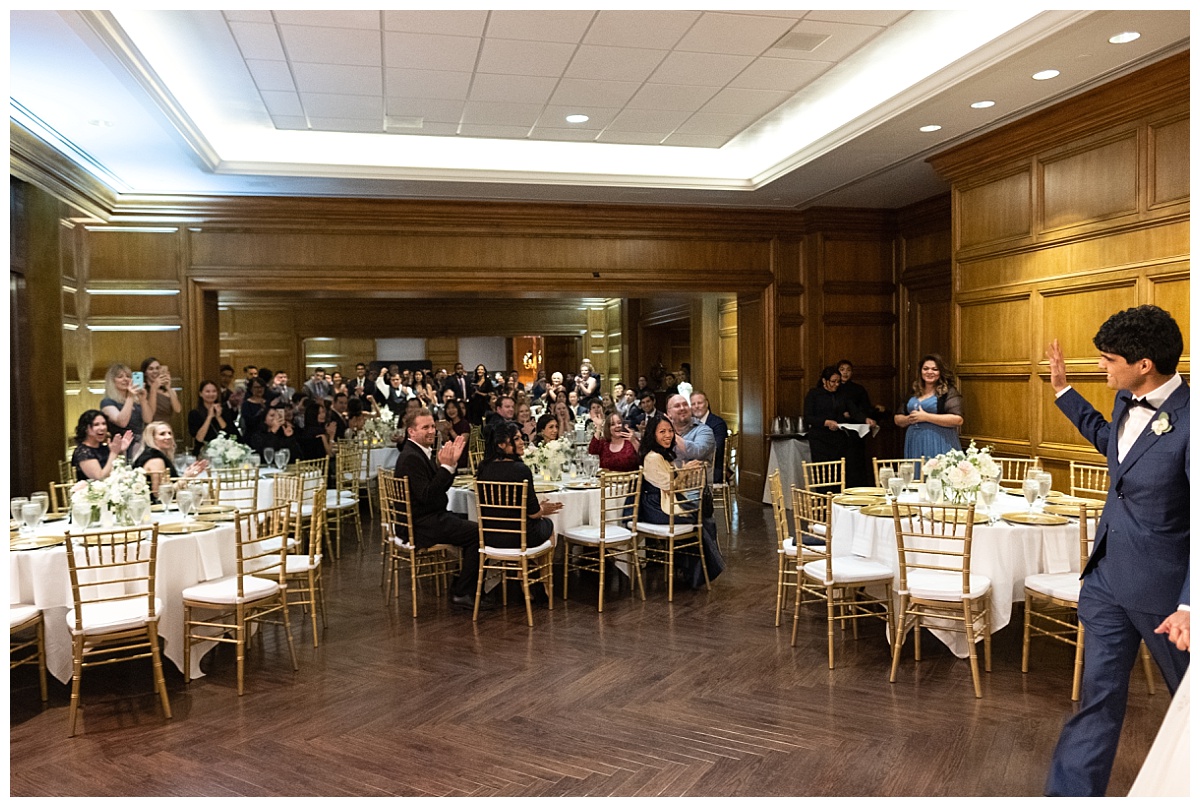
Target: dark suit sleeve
[
  {"x": 1090, "y": 423},
  {"x": 427, "y": 489}
]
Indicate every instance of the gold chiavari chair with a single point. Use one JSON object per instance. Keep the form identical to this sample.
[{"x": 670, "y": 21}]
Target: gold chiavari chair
[
  {"x": 502, "y": 510},
  {"x": 1014, "y": 469},
  {"x": 840, "y": 581},
  {"x": 1052, "y": 606},
  {"x": 314, "y": 477},
  {"x": 1089, "y": 480},
  {"x": 114, "y": 614},
  {"x": 683, "y": 530},
  {"x": 342, "y": 502},
  {"x": 66, "y": 473},
  {"x": 362, "y": 482},
  {"x": 289, "y": 490},
  {"x": 475, "y": 447},
  {"x": 257, "y": 590},
  {"x": 302, "y": 570},
  {"x": 918, "y": 466},
  {"x": 936, "y": 582},
  {"x": 60, "y": 497},
  {"x": 786, "y": 547},
  {"x": 724, "y": 492},
  {"x": 401, "y": 554},
  {"x": 237, "y": 487},
  {"x": 613, "y": 538},
  {"x": 23, "y": 649},
  {"x": 825, "y": 477}
]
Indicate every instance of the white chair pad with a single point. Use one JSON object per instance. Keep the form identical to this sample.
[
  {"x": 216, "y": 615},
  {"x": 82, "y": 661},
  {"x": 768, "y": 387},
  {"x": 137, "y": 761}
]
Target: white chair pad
[
  {"x": 849, "y": 569},
  {"x": 295, "y": 564},
  {"x": 113, "y": 616},
  {"x": 1063, "y": 586},
  {"x": 591, "y": 535},
  {"x": 504, "y": 553},
  {"x": 789, "y": 549},
  {"x": 929, "y": 584},
  {"x": 224, "y": 590},
  {"x": 336, "y": 500},
  {"x": 20, "y": 613},
  {"x": 664, "y": 530}
]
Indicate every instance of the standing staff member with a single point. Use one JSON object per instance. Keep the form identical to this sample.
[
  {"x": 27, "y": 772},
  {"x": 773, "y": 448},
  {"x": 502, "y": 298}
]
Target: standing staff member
[{"x": 1136, "y": 585}]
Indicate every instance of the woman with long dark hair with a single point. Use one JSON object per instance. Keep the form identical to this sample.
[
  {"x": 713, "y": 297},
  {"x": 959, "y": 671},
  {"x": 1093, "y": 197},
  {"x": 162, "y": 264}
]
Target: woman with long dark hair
[
  {"x": 480, "y": 402},
  {"x": 210, "y": 417},
  {"x": 933, "y": 413},
  {"x": 94, "y": 454},
  {"x": 503, "y": 448}
]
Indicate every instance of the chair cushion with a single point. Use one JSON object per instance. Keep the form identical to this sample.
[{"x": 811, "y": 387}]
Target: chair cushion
[
  {"x": 930, "y": 584},
  {"x": 113, "y": 616},
  {"x": 339, "y": 499},
  {"x": 789, "y": 549},
  {"x": 20, "y": 613},
  {"x": 506, "y": 553},
  {"x": 1063, "y": 586},
  {"x": 296, "y": 564},
  {"x": 224, "y": 590},
  {"x": 591, "y": 535},
  {"x": 849, "y": 569},
  {"x": 664, "y": 530}
]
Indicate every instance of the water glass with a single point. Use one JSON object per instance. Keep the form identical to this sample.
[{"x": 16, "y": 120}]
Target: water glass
[
  {"x": 138, "y": 508},
  {"x": 81, "y": 515},
  {"x": 987, "y": 493},
  {"x": 269, "y": 455},
  {"x": 885, "y": 473},
  {"x": 895, "y": 486},
  {"x": 933, "y": 489},
  {"x": 255, "y": 461},
  {"x": 184, "y": 498},
  {"x": 183, "y": 462},
  {"x": 166, "y": 494},
  {"x": 1030, "y": 490},
  {"x": 199, "y": 495},
  {"x": 1045, "y": 481},
  {"x": 31, "y": 514},
  {"x": 906, "y": 473},
  {"x": 281, "y": 458},
  {"x": 15, "y": 504},
  {"x": 43, "y": 497}
]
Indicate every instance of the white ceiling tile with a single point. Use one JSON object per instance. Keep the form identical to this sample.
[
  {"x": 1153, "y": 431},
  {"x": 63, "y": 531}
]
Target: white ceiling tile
[
  {"x": 860, "y": 17},
  {"x": 491, "y": 130},
  {"x": 614, "y": 64},
  {"x": 631, "y": 138},
  {"x": 331, "y": 45},
  {"x": 328, "y": 105},
  {"x": 541, "y": 26},
  {"x": 640, "y": 29},
  {"x": 430, "y": 51},
  {"x": 704, "y": 69},
  {"x": 649, "y": 120},
  {"x": 283, "y": 103},
  {"x": 671, "y": 96},
  {"x": 368, "y": 20},
  {"x": 514, "y": 89},
  {"x": 598, "y": 117},
  {"x": 734, "y": 33},
  {"x": 338, "y": 78},
  {"x": 443, "y": 84},
  {"x": 755, "y": 103},
  {"x": 482, "y": 112},
  {"x": 269, "y": 75},
  {"x": 451, "y": 23},
  {"x": 843, "y": 40},
  {"x": 696, "y": 141},
  {"x": 290, "y": 122},
  {"x": 758, "y": 12},
  {"x": 427, "y": 108},
  {"x": 257, "y": 41},
  {"x": 346, "y": 125},
  {"x": 249, "y": 16},
  {"x": 575, "y": 91},
  {"x": 571, "y": 135},
  {"x": 789, "y": 75},
  {"x": 515, "y": 58},
  {"x": 432, "y": 129},
  {"x": 715, "y": 123}
]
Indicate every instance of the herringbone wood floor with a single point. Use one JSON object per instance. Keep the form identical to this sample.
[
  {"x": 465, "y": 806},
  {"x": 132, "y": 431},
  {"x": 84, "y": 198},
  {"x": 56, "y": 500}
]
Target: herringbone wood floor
[{"x": 700, "y": 697}]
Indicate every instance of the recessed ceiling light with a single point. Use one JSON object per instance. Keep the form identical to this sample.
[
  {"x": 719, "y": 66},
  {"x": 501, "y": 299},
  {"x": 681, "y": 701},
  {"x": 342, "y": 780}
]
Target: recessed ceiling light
[
  {"x": 577, "y": 118},
  {"x": 1044, "y": 74},
  {"x": 983, "y": 104},
  {"x": 933, "y": 127},
  {"x": 1125, "y": 36}
]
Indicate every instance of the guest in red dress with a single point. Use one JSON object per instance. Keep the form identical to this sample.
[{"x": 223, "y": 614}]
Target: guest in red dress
[{"x": 616, "y": 446}]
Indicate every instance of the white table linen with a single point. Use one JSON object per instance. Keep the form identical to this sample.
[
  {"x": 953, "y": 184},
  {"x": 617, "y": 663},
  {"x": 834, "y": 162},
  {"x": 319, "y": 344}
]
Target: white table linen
[{"x": 788, "y": 456}]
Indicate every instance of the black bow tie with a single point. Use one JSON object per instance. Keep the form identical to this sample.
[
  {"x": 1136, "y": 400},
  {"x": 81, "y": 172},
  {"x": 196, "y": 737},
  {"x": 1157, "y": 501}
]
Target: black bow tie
[{"x": 1134, "y": 402}]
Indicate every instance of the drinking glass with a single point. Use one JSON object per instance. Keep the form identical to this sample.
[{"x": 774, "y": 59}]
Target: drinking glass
[
  {"x": 933, "y": 489},
  {"x": 987, "y": 492},
  {"x": 1030, "y": 489},
  {"x": 885, "y": 473},
  {"x": 31, "y": 514},
  {"x": 269, "y": 455},
  {"x": 255, "y": 461},
  {"x": 81, "y": 515},
  {"x": 199, "y": 495},
  {"x": 166, "y": 494},
  {"x": 183, "y": 497},
  {"x": 182, "y": 462},
  {"x": 906, "y": 473},
  {"x": 44, "y": 498},
  {"x": 15, "y": 504},
  {"x": 895, "y": 485},
  {"x": 1044, "y": 480},
  {"x": 138, "y": 507},
  {"x": 281, "y": 458}
]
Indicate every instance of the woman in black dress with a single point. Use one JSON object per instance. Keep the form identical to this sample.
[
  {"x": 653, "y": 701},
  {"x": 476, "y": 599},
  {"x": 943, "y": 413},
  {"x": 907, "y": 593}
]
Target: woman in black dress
[
  {"x": 479, "y": 403},
  {"x": 502, "y": 463},
  {"x": 825, "y": 409},
  {"x": 94, "y": 454},
  {"x": 210, "y": 417},
  {"x": 158, "y": 457},
  {"x": 275, "y": 433},
  {"x": 254, "y": 407}
]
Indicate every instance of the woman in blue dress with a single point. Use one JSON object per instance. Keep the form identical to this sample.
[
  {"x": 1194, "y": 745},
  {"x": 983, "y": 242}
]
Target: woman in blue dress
[{"x": 933, "y": 415}]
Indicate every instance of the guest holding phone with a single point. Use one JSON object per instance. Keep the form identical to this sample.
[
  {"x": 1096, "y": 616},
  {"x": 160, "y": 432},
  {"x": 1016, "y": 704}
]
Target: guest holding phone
[
  {"x": 162, "y": 402},
  {"x": 124, "y": 404},
  {"x": 616, "y": 444}
]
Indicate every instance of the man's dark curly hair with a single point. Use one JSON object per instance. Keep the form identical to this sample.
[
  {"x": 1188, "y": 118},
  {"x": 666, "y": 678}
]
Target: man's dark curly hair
[{"x": 1145, "y": 332}]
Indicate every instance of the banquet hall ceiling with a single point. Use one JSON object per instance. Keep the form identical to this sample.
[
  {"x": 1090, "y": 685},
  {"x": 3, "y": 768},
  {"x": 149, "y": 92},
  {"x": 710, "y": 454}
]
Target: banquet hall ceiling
[{"x": 760, "y": 108}]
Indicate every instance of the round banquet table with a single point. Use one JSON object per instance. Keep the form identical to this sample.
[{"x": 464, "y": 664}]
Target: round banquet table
[
  {"x": 580, "y": 506},
  {"x": 40, "y": 577},
  {"x": 1006, "y": 553}
]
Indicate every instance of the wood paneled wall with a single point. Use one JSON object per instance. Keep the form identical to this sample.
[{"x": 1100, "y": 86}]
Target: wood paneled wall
[{"x": 1061, "y": 220}]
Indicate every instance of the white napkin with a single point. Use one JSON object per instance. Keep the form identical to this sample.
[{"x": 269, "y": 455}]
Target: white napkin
[
  {"x": 1057, "y": 551},
  {"x": 859, "y": 428}
]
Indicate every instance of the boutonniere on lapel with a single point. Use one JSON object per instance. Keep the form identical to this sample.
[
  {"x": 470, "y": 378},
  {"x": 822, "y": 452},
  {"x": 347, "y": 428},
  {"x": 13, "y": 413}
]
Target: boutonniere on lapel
[{"x": 1161, "y": 424}]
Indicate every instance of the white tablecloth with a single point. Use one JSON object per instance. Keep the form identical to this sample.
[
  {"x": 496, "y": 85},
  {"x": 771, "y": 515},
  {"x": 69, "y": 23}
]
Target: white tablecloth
[
  {"x": 580, "y": 507},
  {"x": 788, "y": 456},
  {"x": 40, "y": 577},
  {"x": 381, "y": 457},
  {"x": 1005, "y": 553}
]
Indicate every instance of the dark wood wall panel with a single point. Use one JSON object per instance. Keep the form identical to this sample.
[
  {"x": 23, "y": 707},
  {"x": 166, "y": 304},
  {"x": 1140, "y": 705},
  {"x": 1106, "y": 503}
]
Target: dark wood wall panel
[
  {"x": 1170, "y": 150},
  {"x": 1093, "y": 183},
  {"x": 994, "y": 210}
]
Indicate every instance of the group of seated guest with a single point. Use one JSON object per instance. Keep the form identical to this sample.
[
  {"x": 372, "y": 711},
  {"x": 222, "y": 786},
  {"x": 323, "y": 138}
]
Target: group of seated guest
[
  {"x": 158, "y": 457},
  {"x": 96, "y": 452}
]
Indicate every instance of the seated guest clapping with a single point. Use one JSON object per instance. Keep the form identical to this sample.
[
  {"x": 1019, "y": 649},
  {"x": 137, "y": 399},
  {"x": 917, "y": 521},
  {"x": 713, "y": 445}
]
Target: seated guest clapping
[
  {"x": 502, "y": 462},
  {"x": 566, "y": 419},
  {"x": 158, "y": 457},
  {"x": 94, "y": 453},
  {"x": 616, "y": 444},
  {"x": 317, "y": 436},
  {"x": 210, "y": 417},
  {"x": 275, "y": 433},
  {"x": 526, "y": 422}
]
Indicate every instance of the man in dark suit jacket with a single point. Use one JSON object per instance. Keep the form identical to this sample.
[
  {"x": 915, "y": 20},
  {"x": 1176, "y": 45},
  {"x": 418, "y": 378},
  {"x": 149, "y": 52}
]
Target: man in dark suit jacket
[
  {"x": 720, "y": 431},
  {"x": 459, "y": 382},
  {"x": 1136, "y": 584},
  {"x": 429, "y": 479}
]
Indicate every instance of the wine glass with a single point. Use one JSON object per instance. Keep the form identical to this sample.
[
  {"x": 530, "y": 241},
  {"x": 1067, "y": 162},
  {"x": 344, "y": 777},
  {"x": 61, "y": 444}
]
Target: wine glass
[
  {"x": 166, "y": 494},
  {"x": 199, "y": 495},
  {"x": 281, "y": 458},
  {"x": 988, "y": 489},
  {"x": 43, "y": 497},
  {"x": 269, "y": 455},
  {"x": 1044, "y": 480},
  {"x": 183, "y": 497},
  {"x": 895, "y": 486},
  {"x": 1030, "y": 489},
  {"x": 138, "y": 507},
  {"x": 255, "y": 461},
  {"x": 15, "y": 504},
  {"x": 885, "y": 473},
  {"x": 933, "y": 490},
  {"x": 31, "y": 514},
  {"x": 906, "y": 473}
]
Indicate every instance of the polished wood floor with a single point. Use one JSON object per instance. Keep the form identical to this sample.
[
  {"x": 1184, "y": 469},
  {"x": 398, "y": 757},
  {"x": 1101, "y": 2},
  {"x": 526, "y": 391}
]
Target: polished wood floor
[{"x": 700, "y": 697}]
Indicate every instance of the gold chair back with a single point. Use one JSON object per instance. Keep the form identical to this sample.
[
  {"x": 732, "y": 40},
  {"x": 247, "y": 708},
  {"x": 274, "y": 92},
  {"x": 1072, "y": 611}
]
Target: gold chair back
[
  {"x": 1014, "y": 469},
  {"x": 66, "y": 471},
  {"x": 60, "y": 497},
  {"x": 501, "y": 507},
  {"x": 827, "y": 477},
  {"x": 237, "y": 487},
  {"x": 778, "y": 509},
  {"x": 620, "y": 497},
  {"x": 1089, "y": 481}
]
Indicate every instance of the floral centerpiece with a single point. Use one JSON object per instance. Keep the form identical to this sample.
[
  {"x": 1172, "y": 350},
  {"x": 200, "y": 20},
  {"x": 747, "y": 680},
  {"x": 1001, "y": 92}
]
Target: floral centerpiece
[
  {"x": 379, "y": 430},
  {"x": 112, "y": 494},
  {"x": 961, "y": 472},
  {"x": 226, "y": 452},
  {"x": 550, "y": 456}
]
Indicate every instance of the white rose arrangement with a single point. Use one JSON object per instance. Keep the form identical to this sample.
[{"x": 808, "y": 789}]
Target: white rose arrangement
[
  {"x": 961, "y": 472},
  {"x": 226, "y": 452},
  {"x": 379, "y": 430},
  {"x": 122, "y": 485},
  {"x": 549, "y": 454}
]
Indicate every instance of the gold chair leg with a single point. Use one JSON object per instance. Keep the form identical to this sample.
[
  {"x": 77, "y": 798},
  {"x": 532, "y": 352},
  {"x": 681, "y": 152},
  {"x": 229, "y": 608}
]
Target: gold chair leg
[
  {"x": 241, "y": 645},
  {"x": 1148, "y": 669},
  {"x": 41, "y": 649},
  {"x": 970, "y": 627},
  {"x": 1025, "y": 639},
  {"x": 76, "y": 676},
  {"x": 160, "y": 683},
  {"x": 479, "y": 588},
  {"x": 600, "y": 606},
  {"x": 898, "y": 635},
  {"x": 1077, "y": 677},
  {"x": 830, "y": 607}
]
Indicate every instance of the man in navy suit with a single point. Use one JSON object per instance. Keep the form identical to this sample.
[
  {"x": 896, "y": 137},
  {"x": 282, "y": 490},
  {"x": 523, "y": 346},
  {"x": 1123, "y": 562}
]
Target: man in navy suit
[
  {"x": 1136, "y": 584},
  {"x": 720, "y": 430}
]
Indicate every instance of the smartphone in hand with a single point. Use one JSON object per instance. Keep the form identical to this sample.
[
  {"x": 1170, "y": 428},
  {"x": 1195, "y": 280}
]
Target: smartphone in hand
[{"x": 139, "y": 378}]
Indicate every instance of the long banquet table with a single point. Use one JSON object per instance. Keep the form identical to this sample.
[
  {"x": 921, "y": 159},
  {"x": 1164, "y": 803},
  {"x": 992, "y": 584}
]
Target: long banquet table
[{"x": 1006, "y": 553}]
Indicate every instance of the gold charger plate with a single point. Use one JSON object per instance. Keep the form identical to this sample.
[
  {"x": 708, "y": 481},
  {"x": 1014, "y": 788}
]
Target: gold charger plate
[
  {"x": 885, "y": 510},
  {"x": 583, "y": 485},
  {"x": 18, "y": 544},
  {"x": 214, "y": 517},
  {"x": 864, "y": 492},
  {"x": 1039, "y": 519},
  {"x": 212, "y": 509},
  {"x": 1058, "y": 508},
  {"x": 546, "y": 487},
  {"x": 855, "y": 501},
  {"x": 179, "y": 528},
  {"x": 960, "y": 516},
  {"x": 49, "y": 517},
  {"x": 158, "y": 508}
]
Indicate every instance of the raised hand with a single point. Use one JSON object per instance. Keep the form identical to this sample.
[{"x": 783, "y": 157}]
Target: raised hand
[{"x": 1058, "y": 367}]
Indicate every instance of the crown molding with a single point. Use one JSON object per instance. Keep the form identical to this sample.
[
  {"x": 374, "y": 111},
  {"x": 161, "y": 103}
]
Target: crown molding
[{"x": 34, "y": 161}]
